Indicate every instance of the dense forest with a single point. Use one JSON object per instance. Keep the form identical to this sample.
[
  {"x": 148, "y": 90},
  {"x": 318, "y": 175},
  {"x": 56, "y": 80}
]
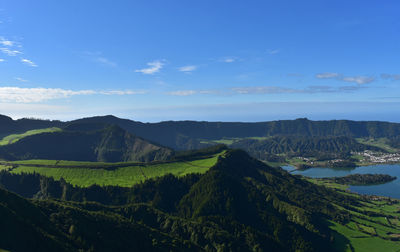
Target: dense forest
[
  {"x": 322, "y": 148},
  {"x": 362, "y": 179},
  {"x": 239, "y": 204}
]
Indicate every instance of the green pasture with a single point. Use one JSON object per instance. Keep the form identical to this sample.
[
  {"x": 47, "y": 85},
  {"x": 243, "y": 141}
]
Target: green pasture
[
  {"x": 16, "y": 137},
  {"x": 123, "y": 176},
  {"x": 377, "y": 142}
]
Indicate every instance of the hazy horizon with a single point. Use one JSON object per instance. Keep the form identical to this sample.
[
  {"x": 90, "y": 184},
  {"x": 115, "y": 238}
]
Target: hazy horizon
[{"x": 280, "y": 111}]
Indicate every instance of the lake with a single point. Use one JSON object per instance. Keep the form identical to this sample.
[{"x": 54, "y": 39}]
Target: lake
[{"x": 391, "y": 189}]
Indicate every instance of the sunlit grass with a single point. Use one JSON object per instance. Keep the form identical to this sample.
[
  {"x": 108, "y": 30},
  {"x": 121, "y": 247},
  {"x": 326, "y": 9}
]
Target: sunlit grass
[
  {"x": 123, "y": 176},
  {"x": 16, "y": 137}
]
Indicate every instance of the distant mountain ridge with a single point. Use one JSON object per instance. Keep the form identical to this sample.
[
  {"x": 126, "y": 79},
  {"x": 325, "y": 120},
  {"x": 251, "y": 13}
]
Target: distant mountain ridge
[
  {"x": 110, "y": 144},
  {"x": 302, "y": 146},
  {"x": 185, "y": 135},
  {"x": 9, "y": 126}
]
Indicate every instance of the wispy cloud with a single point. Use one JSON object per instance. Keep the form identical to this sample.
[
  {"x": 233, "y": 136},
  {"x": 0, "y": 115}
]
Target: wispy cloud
[
  {"x": 228, "y": 59},
  {"x": 105, "y": 61},
  {"x": 10, "y": 52},
  {"x": 393, "y": 77},
  {"x": 98, "y": 58},
  {"x": 259, "y": 90},
  {"x": 6, "y": 42},
  {"x": 359, "y": 79},
  {"x": 34, "y": 95},
  {"x": 273, "y": 51},
  {"x": 29, "y": 62},
  {"x": 354, "y": 79},
  {"x": 183, "y": 92},
  {"x": 186, "y": 69},
  {"x": 327, "y": 75},
  {"x": 121, "y": 92},
  {"x": 20, "y": 79},
  {"x": 12, "y": 49},
  {"x": 154, "y": 67}
]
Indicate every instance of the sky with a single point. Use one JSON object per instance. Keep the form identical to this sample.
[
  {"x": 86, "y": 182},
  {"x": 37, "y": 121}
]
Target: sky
[{"x": 218, "y": 60}]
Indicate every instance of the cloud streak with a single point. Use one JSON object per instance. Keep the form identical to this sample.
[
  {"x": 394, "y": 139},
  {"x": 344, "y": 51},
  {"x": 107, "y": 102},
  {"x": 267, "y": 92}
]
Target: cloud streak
[
  {"x": 20, "y": 79},
  {"x": 6, "y": 42},
  {"x": 260, "y": 90},
  {"x": 187, "y": 69},
  {"x": 10, "y": 52},
  {"x": 35, "y": 95},
  {"x": 360, "y": 80},
  {"x": 29, "y": 62},
  {"x": 154, "y": 67},
  {"x": 273, "y": 51},
  {"x": 228, "y": 59},
  {"x": 105, "y": 61}
]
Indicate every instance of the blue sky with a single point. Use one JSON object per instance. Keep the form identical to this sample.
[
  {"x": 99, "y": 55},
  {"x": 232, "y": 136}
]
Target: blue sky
[{"x": 200, "y": 60}]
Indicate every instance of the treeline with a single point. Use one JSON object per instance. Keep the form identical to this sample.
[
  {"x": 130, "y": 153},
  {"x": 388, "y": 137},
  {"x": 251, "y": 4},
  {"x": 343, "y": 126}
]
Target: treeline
[
  {"x": 362, "y": 179},
  {"x": 394, "y": 142},
  {"x": 322, "y": 148}
]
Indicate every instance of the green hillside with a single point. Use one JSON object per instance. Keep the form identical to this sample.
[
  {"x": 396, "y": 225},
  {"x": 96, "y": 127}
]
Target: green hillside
[
  {"x": 184, "y": 135},
  {"x": 86, "y": 174},
  {"x": 109, "y": 144},
  {"x": 15, "y": 137},
  {"x": 239, "y": 204}
]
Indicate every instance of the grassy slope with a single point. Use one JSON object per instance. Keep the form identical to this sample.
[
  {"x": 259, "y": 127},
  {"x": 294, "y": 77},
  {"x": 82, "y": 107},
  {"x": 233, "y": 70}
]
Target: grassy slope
[
  {"x": 15, "y": 137},
  {"x": 123, "y": 176},
  {"x": 364, "y": 232},
  {"x": 378, "y": 142},
  {"x": 231, "y": 140}
]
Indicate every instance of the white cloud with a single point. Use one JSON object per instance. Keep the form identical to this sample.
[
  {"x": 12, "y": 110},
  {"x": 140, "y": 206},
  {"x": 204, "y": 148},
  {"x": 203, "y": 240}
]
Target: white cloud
[
  {"x": 32, "y": 95},
  {"x": 358, "y": 79},
  {"x": 29, "y": 62},
  {"x": 259, "y": 90},
  {"x": 6, "y": 42},
  {"x": 187, "y": 68},
  {"x": 20, "y": 79},
  {"x": 355, "y": 79},
  {"x": 228, "y": 60},
  {"x": 264, "y": 90},
  {"x": 154, "y": 67},
  {"x": 183, "y": 92},
  {"x": 122, "y": 92},
  {"x": 10, "y": 52},
  {"x": 1, "y": 60}
]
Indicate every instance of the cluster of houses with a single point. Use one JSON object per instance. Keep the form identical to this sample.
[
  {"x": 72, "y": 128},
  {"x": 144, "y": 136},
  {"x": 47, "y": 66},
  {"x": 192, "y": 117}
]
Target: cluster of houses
[{"x": 377, "y": 157}]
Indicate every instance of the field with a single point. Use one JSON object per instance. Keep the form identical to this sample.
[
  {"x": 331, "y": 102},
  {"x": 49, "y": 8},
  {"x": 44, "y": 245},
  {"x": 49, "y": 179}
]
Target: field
[
  {"x": 231, "y": 140},
  {"x": 373, "y": 226},
  {"x": 126, "y": 176},
  {"x": 16, "y": 137},
  {"x": 379, "y": 142}
]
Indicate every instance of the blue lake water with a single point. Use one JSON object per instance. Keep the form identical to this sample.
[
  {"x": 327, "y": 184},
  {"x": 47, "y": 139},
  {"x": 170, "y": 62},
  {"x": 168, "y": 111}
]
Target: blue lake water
[{"x": 391, "y": 189}]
